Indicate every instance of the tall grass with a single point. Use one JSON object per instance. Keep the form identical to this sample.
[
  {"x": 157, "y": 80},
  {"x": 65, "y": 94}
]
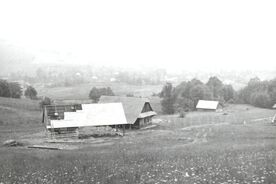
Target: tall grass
[
  {"x": 232, "y": 153},
  {"x": 23, "y": 104}
]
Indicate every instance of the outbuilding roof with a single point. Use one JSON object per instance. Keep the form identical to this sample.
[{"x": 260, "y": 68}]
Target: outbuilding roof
[
  {"x": 92, "y": 115},
  {"x": 207, "y": 104},
  {"x": 133, "y": 106},
  {"x": 274, "y": 106}
]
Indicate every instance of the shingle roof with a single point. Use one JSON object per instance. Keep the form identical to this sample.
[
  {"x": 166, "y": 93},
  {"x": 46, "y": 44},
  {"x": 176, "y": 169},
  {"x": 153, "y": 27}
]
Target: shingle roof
[
  {"x": 207, "y": 104},
  {"x": 57, "y": 111},
  {"x": 92, "y": 115},
  {"x": 133, "y": 106}
]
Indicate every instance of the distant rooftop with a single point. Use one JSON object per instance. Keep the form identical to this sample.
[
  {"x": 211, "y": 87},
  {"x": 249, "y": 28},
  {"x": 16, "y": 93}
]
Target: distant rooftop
[{"x": 207, "y": 104}]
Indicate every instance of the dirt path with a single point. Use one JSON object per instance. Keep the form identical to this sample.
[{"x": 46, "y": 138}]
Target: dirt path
[
  {"x": 203, "y": 131},
  {"x": 204, "y": 125},
  {"x": 7, "y": 108},
  {"x": 261, "y": 119}
]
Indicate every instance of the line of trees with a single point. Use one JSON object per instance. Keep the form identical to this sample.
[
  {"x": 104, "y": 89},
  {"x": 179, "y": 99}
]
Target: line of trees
[
  {"x": 14, "y": 90},
  {"x": 259, "y": 93},
  {"x": 185, "y": 96},
  {"x": 10, "y": 89}
]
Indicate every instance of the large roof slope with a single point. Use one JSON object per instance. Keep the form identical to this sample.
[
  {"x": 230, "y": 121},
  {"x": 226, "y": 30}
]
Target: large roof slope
[
  {"x": 133, "y": 106},
  {"x": 207, "y": 104},
  {"x": 93, "y": 115}
]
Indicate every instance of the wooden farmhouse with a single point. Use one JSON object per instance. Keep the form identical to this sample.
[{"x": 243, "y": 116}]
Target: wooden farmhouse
[
  {"x": 66, "y": 119},
  {"x": 138, "y": 111},
  {"x": 207, "y": 105}
]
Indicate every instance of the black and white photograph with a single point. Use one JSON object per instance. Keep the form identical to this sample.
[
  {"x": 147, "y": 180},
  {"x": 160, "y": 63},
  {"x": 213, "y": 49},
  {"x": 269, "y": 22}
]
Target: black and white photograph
[{"x": 137, "y": 92}]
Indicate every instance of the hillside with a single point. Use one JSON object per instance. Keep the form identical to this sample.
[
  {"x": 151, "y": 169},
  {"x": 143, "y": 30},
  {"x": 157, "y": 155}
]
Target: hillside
[
  {"x": 203, "y": 147},
  {"x": 19, "y": 111}
]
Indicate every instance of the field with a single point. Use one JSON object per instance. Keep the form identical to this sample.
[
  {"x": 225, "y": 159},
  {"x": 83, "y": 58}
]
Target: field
[
  {"x": 237, "y": 145},
  {"x": 82, "y": 90}
]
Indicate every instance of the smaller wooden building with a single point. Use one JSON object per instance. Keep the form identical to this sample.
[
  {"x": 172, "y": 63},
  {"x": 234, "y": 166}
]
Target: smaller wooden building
[
  {"x": 207, "y": 105},
  {"x": 274, "y": 117}
]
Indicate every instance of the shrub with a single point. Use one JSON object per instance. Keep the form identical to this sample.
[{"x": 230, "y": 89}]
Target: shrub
[
  {"x": 260, "y": 99},
  {"x": 130, "y": 95},
  {"x": 182, "y": 114},
  {"x": 31, "y": 93},
  {"x": 15, "y": 90},
  {"x": 45, "y": 101},
  {"x": 2, "y": 122},
  {"x": 4, "y": 88},
  {"x": 231, "y": 101}
]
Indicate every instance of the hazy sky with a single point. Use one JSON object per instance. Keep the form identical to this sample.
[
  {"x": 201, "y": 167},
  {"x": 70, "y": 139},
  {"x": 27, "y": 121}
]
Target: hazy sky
[{"x": 175, "y": 34}]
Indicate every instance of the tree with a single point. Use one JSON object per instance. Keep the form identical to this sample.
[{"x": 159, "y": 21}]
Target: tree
[
  {"x": 215, "y": 86},
  {"x": 195, "y": 81},
  {"x": 273, "y": 96},
  {"x": 4, "y": 88},
  {"x": 184, "y": 104},
  {"x": 228, "y": 92},
  {"x": 261, "y": 99},
  {"x": 41, "y": 74},
  {"x": 244, "y": 95},
  {"x": 253, "y": 89},
  {"x": 109, "y": 92},
  {"x": 96, "y": 93},
  {"x": 259, "y": 93},
  {"x": 15, "y": 90},
  {"x": 200, "y": 92},
  {"x": 185, "y": 96},
  {"x": 272, "y": 90},
  {"x": 167, "y": 101},
  {"x": 254, "y": 81},
  {"x": 45, "y": 101},
  {"x": 167, "y": 105},
  {"x": 30, "y": 92},
  {"x": 130, "y": 95},
  {"x": 188, "y": 93},
  {"x": 167, "y": 90}
]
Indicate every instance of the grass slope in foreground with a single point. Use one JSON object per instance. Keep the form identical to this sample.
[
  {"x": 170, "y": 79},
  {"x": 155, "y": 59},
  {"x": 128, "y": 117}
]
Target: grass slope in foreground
[{"x": 226, "y": 152}]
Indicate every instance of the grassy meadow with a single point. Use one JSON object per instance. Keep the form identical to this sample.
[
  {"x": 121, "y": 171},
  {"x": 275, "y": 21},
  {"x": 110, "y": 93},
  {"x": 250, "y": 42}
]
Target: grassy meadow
[
  {"x": 82, "y": 91},
  {"x": 19, "y": 117},
  {"x": 203, "y": 147}
]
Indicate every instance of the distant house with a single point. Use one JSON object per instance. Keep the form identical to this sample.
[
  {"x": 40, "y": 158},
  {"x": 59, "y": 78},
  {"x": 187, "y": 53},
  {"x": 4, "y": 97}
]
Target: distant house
[
  {"x": 274, "y": 117},
  {"x": 207, "y": 105},
  {"x": 138, "y": 111},
  {"x": 68, "y": 118}
]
